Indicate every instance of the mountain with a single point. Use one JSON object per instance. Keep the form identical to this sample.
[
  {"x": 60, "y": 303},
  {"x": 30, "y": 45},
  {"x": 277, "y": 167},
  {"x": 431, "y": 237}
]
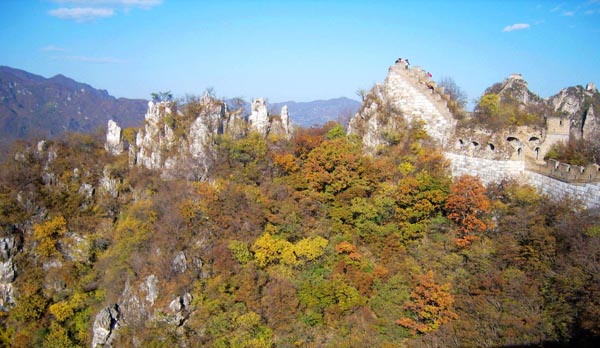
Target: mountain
[
  {"x": 34, "y": 106},
  {"x": 307, "y": 114}
]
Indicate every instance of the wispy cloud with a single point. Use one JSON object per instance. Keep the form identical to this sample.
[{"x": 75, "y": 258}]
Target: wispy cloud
[
  {"x": 82, "y": 14},
  {"x": 52, "y": 48},
  {"x": 568, "y": 13},
  {"x": 90, "y": 10},
  {"x": 517, "y": 26},
  {"x": 112, "y": 3},
  {"x": 88, "y": 59}
]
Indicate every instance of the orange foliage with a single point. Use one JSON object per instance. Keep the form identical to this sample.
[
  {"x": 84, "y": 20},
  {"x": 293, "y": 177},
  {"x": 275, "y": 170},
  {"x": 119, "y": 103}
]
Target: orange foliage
[
  {"x": 466, "y": 204},
  {"x": 431, "y": 304},
  {"x": 349, "y": 249},
  {"x": 287, "y": 162}
]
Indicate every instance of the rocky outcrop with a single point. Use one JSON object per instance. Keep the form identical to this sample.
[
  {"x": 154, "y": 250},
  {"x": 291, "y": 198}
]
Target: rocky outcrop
[
  {"x": 154, "y": 137},
  {"x": 515, "y": 89},
  {"x": 108, "y": 183},
  {"x": 188, "y": 153},
  {"x": 106, "y": 324},
  {"x": 285, "y": 121},
  {"x": 181, "y": 144},
  {"x": 9, "y": 246},
  {"x": 180, "y": 308},
  {"x": 259, "y": 118},
  {"x": 114, "y": 139},
  {"x": 579, "y": 106}
]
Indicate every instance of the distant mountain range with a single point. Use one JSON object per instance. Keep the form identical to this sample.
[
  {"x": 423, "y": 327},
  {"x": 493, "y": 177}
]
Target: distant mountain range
[
  {"x": 318, "y": 112},
  {"x": 32, "y": 106}
]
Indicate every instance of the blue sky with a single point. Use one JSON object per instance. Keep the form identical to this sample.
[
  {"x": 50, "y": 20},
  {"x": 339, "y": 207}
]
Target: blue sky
[{"x": 299, "y": 50}]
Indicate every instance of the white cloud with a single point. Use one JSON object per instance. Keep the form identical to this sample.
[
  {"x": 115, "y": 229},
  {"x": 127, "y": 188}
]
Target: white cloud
[
  {"x": 52, "y": 48},
  {"x": 568, "y": 13},
  {"x": 115, "y": 3},
  {"x": 89, "y": 10},
  {"x": 82, "y": 14},
  {"x": 517, "y": 26},
  {"x": 87, "y": 59}
]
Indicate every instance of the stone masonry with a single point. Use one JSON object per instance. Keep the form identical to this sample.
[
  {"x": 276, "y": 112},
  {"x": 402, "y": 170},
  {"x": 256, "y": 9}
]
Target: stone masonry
[{"x": 516, "y": 154}]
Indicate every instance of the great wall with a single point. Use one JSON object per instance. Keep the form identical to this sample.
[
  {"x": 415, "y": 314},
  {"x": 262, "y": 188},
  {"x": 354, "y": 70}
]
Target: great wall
[{"x": 516, "y": 153}]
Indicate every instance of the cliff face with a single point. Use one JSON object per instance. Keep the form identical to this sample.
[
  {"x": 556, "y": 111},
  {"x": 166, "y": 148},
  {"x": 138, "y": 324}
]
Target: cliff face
[
  {"x": 181, "y": 143},
  {"x": 579, "y": 105}
]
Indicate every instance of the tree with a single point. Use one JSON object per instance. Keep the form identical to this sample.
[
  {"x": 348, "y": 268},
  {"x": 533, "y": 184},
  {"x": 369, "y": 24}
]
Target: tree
[
  {"x": 457, "y": 96},
  {"x": 361, "y": 92},
  {"x": 430, "y": 304},
  {"x": 466, "y": 204},
  {"x": 158, "y": 97},
  {"x": 48, "y": 234},
  {"x": 335, "y": 166}
]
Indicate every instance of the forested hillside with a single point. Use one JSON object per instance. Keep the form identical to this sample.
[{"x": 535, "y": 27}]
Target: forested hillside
[{"x": 305, "y": 242}]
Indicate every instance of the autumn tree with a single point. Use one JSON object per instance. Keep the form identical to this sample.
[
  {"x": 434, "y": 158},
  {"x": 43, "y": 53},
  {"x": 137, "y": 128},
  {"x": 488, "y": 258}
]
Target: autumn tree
[
  {"x": 48, "y": 234},
  {"x": 430, "y": 304},
  {"x": 334, "y": 166},
  {"x": 465, "y": 205}
]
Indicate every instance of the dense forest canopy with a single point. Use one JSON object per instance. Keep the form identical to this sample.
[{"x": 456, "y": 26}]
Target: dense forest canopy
[{"x": 305, "y": 242}]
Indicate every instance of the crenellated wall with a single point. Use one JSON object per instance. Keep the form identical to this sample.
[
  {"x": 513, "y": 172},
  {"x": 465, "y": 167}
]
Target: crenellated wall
[
  {"x": 513, "y": 153},
  {"x": 554, "y": 179}
]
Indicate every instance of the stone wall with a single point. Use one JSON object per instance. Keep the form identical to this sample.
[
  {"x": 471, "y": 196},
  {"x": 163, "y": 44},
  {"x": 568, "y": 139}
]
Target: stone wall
[
  {"x": 409, "y": 90},
  {"x": 587, "y": 193},
  {"x": 493, "y": 171},
  {"x": 486, "y": 169}
]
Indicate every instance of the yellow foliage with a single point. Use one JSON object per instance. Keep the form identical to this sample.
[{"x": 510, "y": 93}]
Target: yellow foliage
[
  {"x": 65, "y": 309},
  {"x": 57, "y": 337},
  {"x": 265, "y": 250},
  {"x": 61, "y": 310},
  {"x": 310, "y": 248},
  {"x": 268, "y": 250},
  {"x": 240, "y": 251},
  {"x": 48, "y": 233}
]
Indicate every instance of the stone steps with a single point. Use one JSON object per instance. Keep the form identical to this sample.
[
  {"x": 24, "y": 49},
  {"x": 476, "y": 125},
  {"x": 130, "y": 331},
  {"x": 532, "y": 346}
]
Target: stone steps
[{"x": 407, "y": 90}]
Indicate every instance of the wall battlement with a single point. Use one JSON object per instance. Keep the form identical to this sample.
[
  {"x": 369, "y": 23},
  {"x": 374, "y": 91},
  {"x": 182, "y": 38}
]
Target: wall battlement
[
  {"x": 515, "y": 153},
  {"x": 566, "y": 172},
  {"x": 563, "y": 183}
]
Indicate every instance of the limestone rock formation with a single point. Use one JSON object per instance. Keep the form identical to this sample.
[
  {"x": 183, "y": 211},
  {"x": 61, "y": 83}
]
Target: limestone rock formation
[
  {"x": 114, "y": 139},
  {"x": 178, "y": 149},
  {"x": 591, "y": 125},
  {"x": 516, "y": 89},
  {"x": 285, "y": 120},
  {"x": 259, "y": 118},
  {"x": 181, "y": 143},
  {"x": 9, "y": 246},
  {"x": 105, "y": 326},
  {"x": 155, "y": 135},
  {"x": 180, "y": 308},
  {"x": 578, "y": 105}
]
